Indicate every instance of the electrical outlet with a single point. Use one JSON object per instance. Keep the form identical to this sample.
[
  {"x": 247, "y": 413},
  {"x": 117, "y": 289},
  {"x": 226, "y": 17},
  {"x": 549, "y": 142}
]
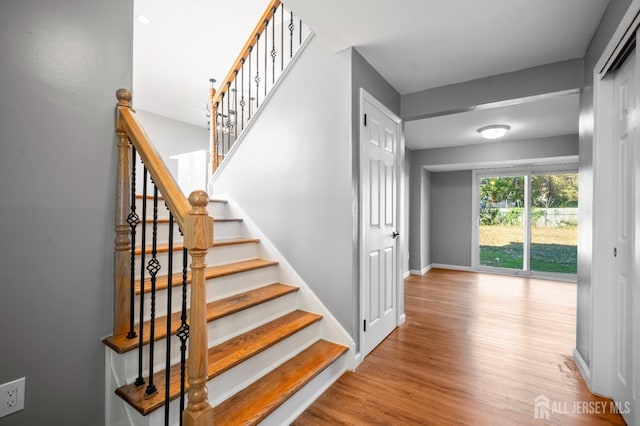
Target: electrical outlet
[{"x": 12, "y": 397}]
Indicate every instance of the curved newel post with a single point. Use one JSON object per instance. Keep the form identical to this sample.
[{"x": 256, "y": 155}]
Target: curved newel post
[
  {"x": 122, "y": 263},
  {"x": 198, "y": 237}
]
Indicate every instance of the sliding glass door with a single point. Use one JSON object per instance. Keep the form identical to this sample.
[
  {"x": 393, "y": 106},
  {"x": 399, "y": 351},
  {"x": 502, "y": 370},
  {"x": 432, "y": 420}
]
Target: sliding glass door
[{"x": 528, "y": 222}]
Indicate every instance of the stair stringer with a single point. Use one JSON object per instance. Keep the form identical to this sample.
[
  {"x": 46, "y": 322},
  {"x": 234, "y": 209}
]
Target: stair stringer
[{"x": 331, "y": 329}]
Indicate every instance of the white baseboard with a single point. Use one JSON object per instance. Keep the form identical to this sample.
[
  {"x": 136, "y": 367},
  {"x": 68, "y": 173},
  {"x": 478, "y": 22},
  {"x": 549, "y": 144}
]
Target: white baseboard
[
  {"x": 583, "y": 367},
  {"x": 452, "y": 267},
  {"x": 420, "y": 271},
  {"x": 402, "y": 320},
  {"x": 405, "y": 274}
]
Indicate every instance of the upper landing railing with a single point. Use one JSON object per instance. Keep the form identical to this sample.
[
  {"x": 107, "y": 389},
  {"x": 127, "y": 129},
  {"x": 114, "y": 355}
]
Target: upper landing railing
[{"x": 268, "y": 51}]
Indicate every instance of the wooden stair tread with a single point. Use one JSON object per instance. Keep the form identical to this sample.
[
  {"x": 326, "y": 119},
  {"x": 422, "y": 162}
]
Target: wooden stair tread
[
  {"x": 221, "y": 358},
  {"x": 150, "y": 197},
  {"x": 215, "y": 219},
  {"x": 258, "y": 400},
  {"x": 164, "y": 247},
  {"x": 215, "y": 310},
  {"x": 162, "y": 281}
]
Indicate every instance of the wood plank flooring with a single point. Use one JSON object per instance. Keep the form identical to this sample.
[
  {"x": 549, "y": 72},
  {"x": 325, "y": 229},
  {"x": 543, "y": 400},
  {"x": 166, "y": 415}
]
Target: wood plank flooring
[{"x": 476, "y": 349}]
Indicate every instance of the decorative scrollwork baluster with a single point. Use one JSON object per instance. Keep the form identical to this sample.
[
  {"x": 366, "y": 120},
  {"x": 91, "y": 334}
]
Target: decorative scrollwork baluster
[
  {"x": 291, "y": 28},
  {"x": 133, "y": 220},
  {"x": 257, "y": 78},
  {"x": 183, "y": 330},
  {"x": 274, "y": 52},
  {"x": 242, "y": 100}
]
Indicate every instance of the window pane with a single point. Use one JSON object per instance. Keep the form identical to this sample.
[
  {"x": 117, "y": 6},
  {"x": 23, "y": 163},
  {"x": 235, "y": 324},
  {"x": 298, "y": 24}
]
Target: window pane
[
  {"x": 501, "y": 221},
  {"x": 554, "y": 223}
]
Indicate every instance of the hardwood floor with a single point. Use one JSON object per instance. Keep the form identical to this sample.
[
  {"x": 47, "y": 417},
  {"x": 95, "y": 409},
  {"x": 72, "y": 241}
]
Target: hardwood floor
[{"x": 476, "y": 349}]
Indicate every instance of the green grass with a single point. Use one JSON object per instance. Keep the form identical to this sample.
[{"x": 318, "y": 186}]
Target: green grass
[{"x": 554, "y": 250}]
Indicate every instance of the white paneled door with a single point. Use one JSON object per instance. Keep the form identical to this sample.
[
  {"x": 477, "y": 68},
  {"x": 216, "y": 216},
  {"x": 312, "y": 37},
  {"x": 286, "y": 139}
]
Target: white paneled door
[
  {"x": 623, "y": 229},
  {"x": 379, "y": 202}
]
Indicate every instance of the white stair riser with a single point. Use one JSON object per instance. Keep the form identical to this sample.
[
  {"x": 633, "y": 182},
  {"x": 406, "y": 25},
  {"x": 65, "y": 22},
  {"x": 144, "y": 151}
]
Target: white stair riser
[
  {"x": 249, "y": 371},
  {"x": 215, "y": 209},
  {"x": 216, "y": 289},
  {"x": 218, "y": 331},
  {"x": 301, "y": 400},
  {"x": 221, "y": 230},
  {"x": 238, "y": 378},
  {"x": 218, "y": 255}
]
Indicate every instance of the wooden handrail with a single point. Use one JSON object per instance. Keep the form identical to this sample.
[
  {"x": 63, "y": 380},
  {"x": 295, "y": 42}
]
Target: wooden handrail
[
  {"x": 244, "y": 53},
  {"x": 162, "y": 177},
  {"x": 197, "y": 227}
]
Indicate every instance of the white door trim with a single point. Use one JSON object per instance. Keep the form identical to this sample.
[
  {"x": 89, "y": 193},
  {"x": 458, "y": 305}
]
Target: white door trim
[
  {"x": 602, "y": 318},
  {"x": 402, "y": 239}
]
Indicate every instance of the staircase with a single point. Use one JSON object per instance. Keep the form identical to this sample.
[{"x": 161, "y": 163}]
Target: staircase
[{"x": 269, "y": 355}]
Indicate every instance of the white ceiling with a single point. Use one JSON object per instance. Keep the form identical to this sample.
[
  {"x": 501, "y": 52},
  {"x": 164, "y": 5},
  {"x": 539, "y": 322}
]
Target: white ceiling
[
  {"x": 418, "y": 44},
  {"x": 549, "y": 116},
  {"x": 414, "y": 44},
  {"x": 186, "y": 44}
]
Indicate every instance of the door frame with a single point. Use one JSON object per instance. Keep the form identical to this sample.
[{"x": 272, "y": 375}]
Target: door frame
[
  {"x": 400, "y": 209},
  {"x": 602, "y": 319}
]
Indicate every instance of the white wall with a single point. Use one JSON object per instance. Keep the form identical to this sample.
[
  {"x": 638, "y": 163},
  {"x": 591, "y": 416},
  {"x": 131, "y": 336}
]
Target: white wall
[
  {"x": 172, "y": 137},
  {"x": 292, "y": 175}
]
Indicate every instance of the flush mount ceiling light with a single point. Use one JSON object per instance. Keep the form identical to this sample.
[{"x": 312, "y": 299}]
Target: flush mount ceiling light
[
  {"x": 494, "y": 131},
  {"x": 143, "y": 19}
]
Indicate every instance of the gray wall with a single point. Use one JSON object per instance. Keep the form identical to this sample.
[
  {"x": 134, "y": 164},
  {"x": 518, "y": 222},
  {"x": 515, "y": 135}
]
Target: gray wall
[
  {"x": 555, "y": 77},
  {"x": 451, "y": 208},
  {"x": 364, "y": 76},
  {"x": 425, "y": 246},
  {"x": 62, "y": 61},
  {"x": 171, "y": 137},
  {"x": 461, "y": 157},
  {"x": 613, "y": 14},
  {"x": 419, "y": 216}
]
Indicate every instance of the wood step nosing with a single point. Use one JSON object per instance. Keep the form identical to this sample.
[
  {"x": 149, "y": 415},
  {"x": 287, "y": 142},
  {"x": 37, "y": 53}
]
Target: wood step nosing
[
  {"x": 160, "y": 197},
  {"x": 331, "y": 353},
  {"x": 225, "y": 306},
  {"x": 211, "y": 272},
  {"x": 292, "y": 323},
  {"x": 164, "y": 247}
]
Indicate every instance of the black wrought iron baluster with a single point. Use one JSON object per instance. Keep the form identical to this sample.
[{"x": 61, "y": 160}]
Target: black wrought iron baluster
[
  {"x": 274, "y": 52},
  {"x": 300, "y": 30},
  {"x": 153, "y": 267},
  {"x": 229, "y": 114},
  {"x": 242, "y": 101},
  {"x": 257, "y": 79},
  {"x": 133, "y": 220},
  {"x": 143, "y": 242},
  {"x": 235, "y": 106},
  {"x": 249, "y": 81},
  {"x": 281, "y": 37},
  {"x": 291, "y": 28},
  {"x": 222, "y": 124},
  {"x": 183, "y": 331},
  {"x": 266, "y": 36},
  {"x": 167, "y": 367}
]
